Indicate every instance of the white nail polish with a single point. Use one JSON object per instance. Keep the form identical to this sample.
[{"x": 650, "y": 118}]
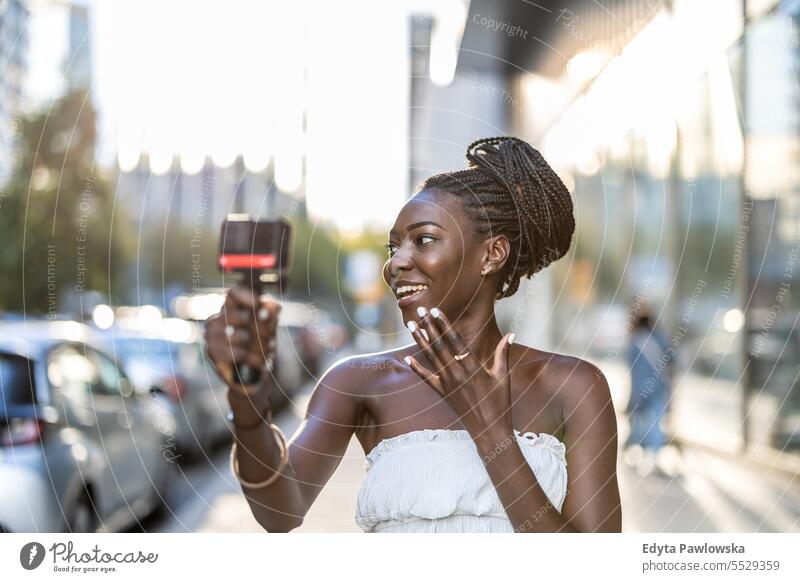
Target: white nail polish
[
  {"x": 407, "y": 360},
  {"x": 511, "y": 338},
  {"x": 263, "y": 314},
  {"x": 412, "y": 327},
  {"x": 435, "y": 312},
  {"x": 421, "y": 311}
]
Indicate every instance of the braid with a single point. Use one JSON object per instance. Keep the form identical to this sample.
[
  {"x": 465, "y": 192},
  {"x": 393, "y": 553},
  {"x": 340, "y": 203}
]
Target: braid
[{"x": 508, "y": 188}]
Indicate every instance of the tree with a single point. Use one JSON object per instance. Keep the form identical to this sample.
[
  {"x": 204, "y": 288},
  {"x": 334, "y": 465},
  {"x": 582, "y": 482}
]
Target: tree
[{"x": 61, "y": 235}]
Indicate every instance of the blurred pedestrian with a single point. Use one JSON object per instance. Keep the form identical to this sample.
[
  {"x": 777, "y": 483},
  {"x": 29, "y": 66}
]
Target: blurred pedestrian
[{"x": 649, "y": 359}]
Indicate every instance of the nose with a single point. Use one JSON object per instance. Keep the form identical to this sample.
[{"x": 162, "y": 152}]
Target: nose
[{"x": 401, "y": 261}]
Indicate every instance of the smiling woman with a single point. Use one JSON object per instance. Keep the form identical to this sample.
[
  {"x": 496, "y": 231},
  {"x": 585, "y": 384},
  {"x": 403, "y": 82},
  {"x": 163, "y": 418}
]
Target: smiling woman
[{"x": 464, "y": 429}]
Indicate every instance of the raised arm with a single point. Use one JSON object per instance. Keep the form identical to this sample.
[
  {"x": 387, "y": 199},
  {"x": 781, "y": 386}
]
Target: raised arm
[
  {"x": 316, "y": 448},
  {"x": 593, "y": 501}
]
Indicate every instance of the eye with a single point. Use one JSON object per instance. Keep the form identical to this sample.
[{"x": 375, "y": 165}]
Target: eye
[
  {"x": 390, "y": 249},
  {"x": 424, "y": 236}
]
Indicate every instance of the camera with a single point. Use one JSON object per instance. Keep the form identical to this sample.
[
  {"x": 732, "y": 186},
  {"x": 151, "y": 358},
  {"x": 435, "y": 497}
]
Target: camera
[{"x": 258, "y": 251}]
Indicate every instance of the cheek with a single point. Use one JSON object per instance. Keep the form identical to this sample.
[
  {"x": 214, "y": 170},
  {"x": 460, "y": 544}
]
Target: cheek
[{"x": 449, "y": 265}]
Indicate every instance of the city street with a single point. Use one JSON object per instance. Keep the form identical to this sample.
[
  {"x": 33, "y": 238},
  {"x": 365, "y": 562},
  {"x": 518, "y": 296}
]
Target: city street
[{"x": 689, "y": 491}]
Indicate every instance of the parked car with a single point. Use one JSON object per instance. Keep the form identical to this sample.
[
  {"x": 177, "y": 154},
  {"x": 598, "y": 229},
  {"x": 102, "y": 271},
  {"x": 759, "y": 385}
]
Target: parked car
[
  {"x": 183, "y": 374},
  {"x": 80, "y": 450}
]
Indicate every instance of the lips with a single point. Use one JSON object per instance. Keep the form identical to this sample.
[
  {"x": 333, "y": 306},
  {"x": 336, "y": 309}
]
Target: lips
[
  {"x": 411, "y": 298},
  {"x": 408, "y": 293}
]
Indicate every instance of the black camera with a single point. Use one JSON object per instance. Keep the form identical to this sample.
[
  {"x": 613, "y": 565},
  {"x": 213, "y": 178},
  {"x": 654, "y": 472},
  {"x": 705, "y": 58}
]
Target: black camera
[{"x": 258, "y": 250}]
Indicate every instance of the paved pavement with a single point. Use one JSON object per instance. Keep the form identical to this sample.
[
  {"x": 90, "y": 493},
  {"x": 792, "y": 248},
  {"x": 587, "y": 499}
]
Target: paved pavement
[{"x": 686, "y": 491}]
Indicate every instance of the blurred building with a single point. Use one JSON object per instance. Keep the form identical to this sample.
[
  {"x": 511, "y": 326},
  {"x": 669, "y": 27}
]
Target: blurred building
[
  {"x": 676, "y": 124},
  {"x": 33, "y": 75},
  {"x": 64, "y": 62},
  {"x": 204, "y": 198},
  {"x": 13, "y": 69}
]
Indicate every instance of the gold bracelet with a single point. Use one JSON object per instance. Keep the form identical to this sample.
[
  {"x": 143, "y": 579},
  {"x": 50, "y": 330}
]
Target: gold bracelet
[{"x": 281, "y": 439}]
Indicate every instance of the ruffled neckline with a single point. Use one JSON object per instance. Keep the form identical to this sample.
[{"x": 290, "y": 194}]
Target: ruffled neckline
[{"x": 445, "y": 434}]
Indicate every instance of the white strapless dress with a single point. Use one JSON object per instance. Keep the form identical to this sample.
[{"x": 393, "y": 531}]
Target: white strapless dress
[{"x": 434, "y": 480}]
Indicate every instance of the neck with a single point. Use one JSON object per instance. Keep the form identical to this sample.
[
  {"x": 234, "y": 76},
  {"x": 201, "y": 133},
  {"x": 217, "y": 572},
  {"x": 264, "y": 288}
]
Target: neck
[{"x": 478, "y": 328}]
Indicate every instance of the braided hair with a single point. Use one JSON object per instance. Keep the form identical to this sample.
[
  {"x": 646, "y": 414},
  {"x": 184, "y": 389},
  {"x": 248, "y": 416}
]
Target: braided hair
[{"x": 508, "y": 188}]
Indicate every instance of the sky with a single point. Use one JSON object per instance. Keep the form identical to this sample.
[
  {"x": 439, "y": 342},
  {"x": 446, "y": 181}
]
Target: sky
[{"x": 221, "y": 78}]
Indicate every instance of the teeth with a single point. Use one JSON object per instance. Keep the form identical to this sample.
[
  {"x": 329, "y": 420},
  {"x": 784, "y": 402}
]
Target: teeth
[{"x": 405, "y": 289}]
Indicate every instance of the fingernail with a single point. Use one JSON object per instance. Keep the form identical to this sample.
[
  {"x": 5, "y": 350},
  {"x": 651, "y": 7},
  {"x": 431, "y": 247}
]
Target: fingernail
[
  {"x": 407, "y": 360},
  {"x": 263, "y": 314},
  {"x": 511, "y": 338},
  {"x": 412, "y": 327},
  {"x": 421, "y": 311},
  {"x": 435, "y": 312}
]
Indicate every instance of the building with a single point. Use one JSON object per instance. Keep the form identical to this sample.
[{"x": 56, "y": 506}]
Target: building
[
  {"x": 200, "y": 199},
  {"x": 675, "y": 124},
  {"x": 13, "y": 71},
  {"x": 64, "y": 62}
]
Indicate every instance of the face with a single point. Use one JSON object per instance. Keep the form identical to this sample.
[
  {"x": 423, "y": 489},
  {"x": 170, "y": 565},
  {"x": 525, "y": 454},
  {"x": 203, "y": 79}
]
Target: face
[{"x": 435, "y": 259}]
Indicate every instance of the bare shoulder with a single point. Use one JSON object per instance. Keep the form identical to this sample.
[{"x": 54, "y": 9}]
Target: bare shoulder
[
  {"x": 358, "y": 374},
  {"x": 568, "y": 378}
]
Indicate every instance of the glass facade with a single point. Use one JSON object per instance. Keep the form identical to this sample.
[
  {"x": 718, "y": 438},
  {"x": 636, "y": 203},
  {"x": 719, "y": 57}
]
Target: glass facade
[
  {"x": 684, "y": 154},
  {"x": 772, "y": 182}
]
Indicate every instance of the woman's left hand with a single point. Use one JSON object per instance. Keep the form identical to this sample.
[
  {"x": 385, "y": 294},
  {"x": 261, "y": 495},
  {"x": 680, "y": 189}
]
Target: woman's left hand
[{"x": 480, "y": 395}]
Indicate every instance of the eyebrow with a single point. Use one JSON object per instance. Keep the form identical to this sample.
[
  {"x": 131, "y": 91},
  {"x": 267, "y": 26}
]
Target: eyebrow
[{"x": 418, "y": 224}]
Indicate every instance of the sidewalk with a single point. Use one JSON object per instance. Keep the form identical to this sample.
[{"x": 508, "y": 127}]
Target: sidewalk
[{"x": 690, "y": 491}]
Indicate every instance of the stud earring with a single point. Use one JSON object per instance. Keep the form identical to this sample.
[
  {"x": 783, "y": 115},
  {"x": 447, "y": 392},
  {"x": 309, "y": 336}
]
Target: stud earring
[{"x": 484, "y": 270}]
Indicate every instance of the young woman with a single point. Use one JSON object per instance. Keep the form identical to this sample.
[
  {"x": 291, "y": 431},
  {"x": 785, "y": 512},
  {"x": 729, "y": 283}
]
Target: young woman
[{"x": 464, "y": 429}]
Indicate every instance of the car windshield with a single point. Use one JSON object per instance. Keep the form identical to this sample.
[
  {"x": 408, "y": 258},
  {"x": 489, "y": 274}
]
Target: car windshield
[
  {"x": 16, "y": 380},
  {"x": 147, "y": 360}
]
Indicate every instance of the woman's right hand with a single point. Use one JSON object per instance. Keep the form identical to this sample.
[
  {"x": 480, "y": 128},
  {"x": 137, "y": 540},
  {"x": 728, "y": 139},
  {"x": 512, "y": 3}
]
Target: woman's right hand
[{"x": 243, "y": 331}]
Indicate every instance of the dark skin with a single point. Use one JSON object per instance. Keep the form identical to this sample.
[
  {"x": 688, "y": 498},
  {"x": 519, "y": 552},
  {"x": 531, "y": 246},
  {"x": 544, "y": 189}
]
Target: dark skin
[{"x": 499, "y": 387}]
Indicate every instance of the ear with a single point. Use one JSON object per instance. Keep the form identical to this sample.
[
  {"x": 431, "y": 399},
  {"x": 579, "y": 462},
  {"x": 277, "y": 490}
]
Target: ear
[{"x": 497, "y": 250}]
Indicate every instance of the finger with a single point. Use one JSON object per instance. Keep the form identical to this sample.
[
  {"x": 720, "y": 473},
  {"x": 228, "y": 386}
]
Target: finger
[
  {"x": 499, "y": 367},
  {"x": 456, "y": 344},
  {"x": 429, "y": 378},
  {"x": 242, "y": 296},
  {"x": 238, "y": 316},
  {"x": 255, "y": 359},
  {"x": 435, "y": 342},
  {"x": 424, "y": 343},
  {"x": 251, "y": 319},
  {"x": 435, "y": 336},
  {"x": 237, "y": 354},
  {"x": 219, "y": 345},
  {"x": 238, "y": 336},
  {"x": 267, "y": 325}
]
